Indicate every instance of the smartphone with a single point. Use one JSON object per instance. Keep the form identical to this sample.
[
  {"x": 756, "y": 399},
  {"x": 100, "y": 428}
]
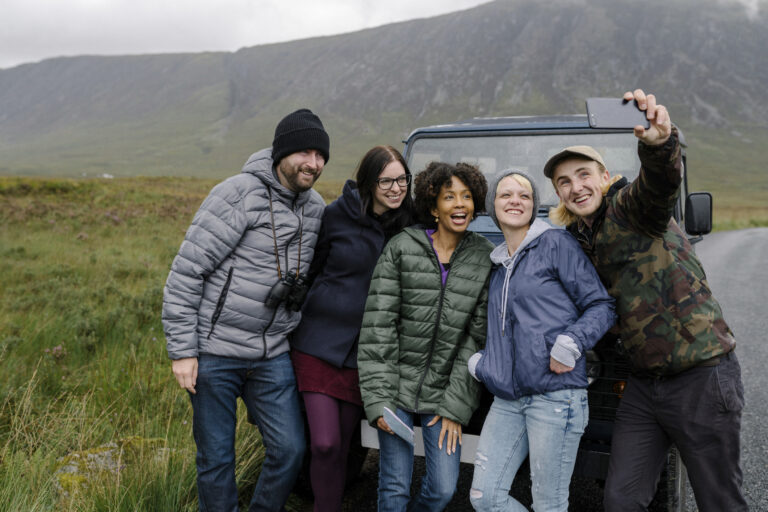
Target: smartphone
[{"x": 615, "y": 113}]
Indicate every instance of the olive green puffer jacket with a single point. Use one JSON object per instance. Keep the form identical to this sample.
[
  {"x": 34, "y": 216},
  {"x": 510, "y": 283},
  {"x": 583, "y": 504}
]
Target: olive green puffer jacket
[{"x": 417, "y": 335}]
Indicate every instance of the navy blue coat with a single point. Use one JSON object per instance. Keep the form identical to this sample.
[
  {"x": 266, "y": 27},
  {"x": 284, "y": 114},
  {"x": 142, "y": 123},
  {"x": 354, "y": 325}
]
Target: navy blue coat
[
  {"x": 553, "y": 289},
  {"x": 349, "y": 245}
]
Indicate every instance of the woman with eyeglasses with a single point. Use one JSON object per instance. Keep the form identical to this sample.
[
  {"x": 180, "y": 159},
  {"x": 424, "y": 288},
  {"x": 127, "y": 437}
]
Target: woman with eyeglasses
[
  {"x": 372, "y": 208},
  {"x": 424, "y": 317}
]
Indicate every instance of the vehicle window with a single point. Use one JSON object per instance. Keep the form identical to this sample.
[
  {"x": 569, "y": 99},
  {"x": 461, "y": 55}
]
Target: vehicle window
[{"x": 496, "y": 153}]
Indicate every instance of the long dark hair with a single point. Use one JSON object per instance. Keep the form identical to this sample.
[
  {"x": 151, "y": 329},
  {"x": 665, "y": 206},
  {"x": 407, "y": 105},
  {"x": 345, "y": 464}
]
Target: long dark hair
[{"x": 368, "y": 171}]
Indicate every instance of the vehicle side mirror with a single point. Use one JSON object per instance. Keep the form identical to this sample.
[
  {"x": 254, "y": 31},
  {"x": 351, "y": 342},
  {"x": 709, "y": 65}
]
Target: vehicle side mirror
[{"x": 698, "y": 213}]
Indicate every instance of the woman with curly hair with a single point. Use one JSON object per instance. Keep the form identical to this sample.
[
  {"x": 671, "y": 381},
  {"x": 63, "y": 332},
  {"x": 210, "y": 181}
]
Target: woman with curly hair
[
  {"x": 372, "y": 208},
  {"x": 424, "y": 317}
]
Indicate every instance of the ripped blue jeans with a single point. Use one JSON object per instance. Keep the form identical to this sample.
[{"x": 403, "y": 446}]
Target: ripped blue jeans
[{"x": 548, "y": 427}]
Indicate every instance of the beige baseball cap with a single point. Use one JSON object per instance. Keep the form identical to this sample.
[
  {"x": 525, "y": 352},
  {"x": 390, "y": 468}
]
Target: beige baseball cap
[{"x": 587, "y": 152}]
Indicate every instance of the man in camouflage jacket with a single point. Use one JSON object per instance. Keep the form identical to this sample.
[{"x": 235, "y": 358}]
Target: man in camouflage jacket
[{"x": 685, "y": 386}]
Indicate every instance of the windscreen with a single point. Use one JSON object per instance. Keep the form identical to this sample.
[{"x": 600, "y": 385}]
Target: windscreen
[{"x": 496, "y": 153}]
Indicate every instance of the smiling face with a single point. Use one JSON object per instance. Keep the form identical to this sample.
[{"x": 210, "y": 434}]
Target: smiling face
[
  {"x": 579, "y": 185},
  {"x": 392, "y": 198},
  {"x": 299, "y": 171},
  {"x": 455, "y": 207},
  {"x": 513, "y": 204}
]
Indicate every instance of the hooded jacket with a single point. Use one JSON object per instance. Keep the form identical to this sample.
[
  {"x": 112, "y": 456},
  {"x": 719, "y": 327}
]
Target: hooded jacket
[
  {"x": 417, "y": 334},
  {"x": 546, "y": 288},
  {"x": 213, "y": 301},
  {"x": 348, "y": 247}
]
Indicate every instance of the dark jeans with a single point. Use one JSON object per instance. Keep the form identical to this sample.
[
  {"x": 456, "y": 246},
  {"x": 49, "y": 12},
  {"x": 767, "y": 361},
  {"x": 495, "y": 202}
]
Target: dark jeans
[
  {"x": 268, "y": 389},
  {"x": 699, "y": 410}
]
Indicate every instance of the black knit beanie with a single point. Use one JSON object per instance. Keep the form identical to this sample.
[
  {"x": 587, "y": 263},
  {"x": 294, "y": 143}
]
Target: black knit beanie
[
  {"x": 298, "y": 131},
  {"x": 491, "y": 197}
]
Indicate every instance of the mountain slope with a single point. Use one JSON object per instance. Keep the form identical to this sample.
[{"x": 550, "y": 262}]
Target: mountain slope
[{"x": 202, "y": 114}]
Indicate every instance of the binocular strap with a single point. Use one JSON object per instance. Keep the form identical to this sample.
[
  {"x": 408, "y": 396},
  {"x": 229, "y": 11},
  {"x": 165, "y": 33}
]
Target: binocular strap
[{"x": 274, "y": 237}]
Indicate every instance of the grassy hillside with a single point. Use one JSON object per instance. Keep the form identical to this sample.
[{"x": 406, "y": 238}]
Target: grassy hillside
[
  {"x": 82, "y": 354},
  {"x": 733, "y": 172}
]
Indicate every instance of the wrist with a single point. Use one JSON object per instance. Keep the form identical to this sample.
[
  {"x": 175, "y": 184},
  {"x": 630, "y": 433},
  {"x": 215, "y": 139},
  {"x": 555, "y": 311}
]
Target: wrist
[{"x": 565, "y": 350}]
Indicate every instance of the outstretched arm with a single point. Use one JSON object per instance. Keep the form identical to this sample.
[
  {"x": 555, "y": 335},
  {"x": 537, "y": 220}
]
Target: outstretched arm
[{"x": 650, "y": 200}]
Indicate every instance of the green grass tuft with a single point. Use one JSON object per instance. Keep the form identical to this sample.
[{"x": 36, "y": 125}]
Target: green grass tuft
[{"x": 82, "y": 353}]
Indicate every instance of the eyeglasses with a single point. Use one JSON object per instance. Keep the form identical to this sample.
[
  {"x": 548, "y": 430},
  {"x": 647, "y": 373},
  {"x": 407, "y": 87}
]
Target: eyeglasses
[{"x": 386, "y": 183}]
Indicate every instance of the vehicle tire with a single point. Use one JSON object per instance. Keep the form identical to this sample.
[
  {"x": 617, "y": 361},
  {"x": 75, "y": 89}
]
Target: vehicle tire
[{"x": 671, "y": 491}]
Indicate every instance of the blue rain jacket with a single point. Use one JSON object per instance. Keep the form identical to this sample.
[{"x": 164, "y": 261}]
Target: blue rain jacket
[{"x": 548, "y": 287}]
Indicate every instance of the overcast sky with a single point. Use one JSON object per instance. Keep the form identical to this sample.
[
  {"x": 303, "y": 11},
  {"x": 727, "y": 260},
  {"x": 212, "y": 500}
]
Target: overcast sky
[{"x": 32, "y": 30}]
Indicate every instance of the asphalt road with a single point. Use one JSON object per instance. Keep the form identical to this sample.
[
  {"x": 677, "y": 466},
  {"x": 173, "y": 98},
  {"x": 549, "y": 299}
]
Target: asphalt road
[{"x": 736, "y": 263}]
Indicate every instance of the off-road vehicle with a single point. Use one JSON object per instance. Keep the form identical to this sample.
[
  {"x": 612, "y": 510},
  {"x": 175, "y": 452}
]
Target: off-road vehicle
[{"x": 526, "y": 143}]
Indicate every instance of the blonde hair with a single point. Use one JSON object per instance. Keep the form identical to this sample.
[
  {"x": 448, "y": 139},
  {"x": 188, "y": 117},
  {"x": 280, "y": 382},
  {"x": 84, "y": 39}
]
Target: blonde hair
[
  {"x": 562, "y": 216},
  {"x": 522, "y": 180}
]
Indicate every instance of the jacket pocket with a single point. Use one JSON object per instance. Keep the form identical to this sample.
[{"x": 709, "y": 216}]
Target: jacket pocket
[
  {"x": 544, "y": 347},
  {"x": 220, "y": 302},
  {"x": 533, "y": 364}
]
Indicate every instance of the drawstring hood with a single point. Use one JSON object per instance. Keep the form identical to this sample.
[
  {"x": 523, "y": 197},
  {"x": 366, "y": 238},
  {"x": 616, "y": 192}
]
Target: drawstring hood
[{"x": 501, "y": 256}]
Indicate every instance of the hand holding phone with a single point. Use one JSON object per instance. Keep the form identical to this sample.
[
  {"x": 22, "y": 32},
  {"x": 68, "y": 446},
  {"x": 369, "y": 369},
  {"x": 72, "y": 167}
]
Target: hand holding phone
[
  {"x": 615, "y": 113},
  {"x": 661, "y": 124}
]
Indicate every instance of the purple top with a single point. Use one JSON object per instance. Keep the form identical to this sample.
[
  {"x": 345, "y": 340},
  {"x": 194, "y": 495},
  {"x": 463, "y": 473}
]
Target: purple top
[{"x": 443, "y": 269}]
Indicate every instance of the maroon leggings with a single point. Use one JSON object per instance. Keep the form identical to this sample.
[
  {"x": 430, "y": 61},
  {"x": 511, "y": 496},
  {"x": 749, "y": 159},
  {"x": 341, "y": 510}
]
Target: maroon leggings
[{"x": 331, "y": 425}]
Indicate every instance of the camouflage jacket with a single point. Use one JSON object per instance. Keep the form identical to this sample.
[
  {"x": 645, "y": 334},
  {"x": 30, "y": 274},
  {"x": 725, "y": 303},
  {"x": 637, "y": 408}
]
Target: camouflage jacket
[{"x": 668, "y": 319}]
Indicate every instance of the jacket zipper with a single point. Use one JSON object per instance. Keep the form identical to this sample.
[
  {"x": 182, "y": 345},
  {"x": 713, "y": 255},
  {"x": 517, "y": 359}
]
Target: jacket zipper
[
  {"x": 503, "y": 325},
  {"x": 503, "y": 315},
  {"x": 220, "y": 302},
  {"x": 301, "y": 227},
  {"x": 433, "y": 341},
  {"x": 518, "y": 259}
]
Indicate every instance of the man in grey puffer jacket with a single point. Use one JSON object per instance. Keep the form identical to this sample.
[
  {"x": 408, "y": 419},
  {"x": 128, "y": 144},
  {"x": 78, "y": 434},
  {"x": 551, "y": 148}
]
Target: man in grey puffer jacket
[{"x": 226, "y": 321}]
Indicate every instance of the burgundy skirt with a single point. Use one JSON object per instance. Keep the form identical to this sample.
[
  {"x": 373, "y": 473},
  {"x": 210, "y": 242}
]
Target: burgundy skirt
[{"x": 317, "y": 376}]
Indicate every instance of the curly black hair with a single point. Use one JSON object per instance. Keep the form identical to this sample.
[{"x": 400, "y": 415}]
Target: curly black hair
[{"x": 429, "y": 182}]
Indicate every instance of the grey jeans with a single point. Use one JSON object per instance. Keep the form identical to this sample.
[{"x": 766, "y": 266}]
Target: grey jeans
[{"x": 698, "y": 410}]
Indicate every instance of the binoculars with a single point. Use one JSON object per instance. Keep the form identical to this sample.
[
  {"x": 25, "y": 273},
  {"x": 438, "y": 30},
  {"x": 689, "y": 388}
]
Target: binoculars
[{"x": 291, "y": 291}]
